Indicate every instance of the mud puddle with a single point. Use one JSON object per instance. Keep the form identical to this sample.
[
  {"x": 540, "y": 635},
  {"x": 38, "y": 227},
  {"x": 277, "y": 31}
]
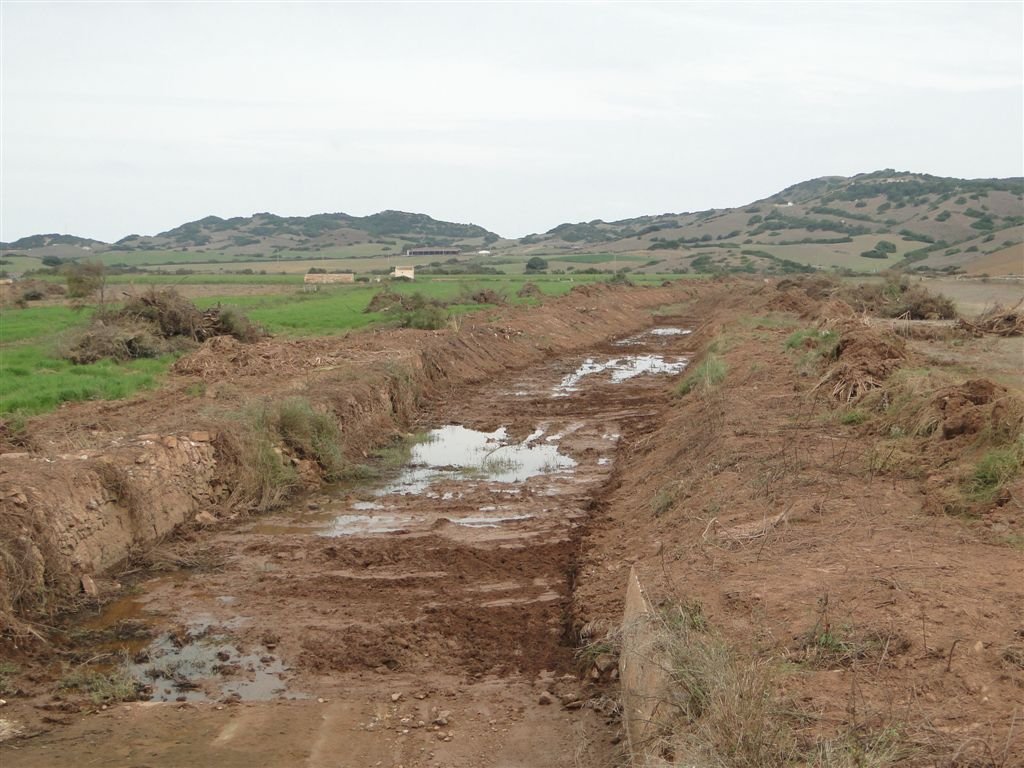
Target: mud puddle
[
  {"x": 197, "y": 661},
  {"x": 653, "y": 335},
  {"x": 441, "y": 596},
  {"x": 620, "y": 369},
  {"x": 454, "y": 452},
  {"x": 202, "y": 663}
]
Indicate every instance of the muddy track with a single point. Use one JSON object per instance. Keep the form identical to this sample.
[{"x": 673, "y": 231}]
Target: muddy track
[
  {"x": 423, "y": 620},
  {"x": 95, "y": 481}
]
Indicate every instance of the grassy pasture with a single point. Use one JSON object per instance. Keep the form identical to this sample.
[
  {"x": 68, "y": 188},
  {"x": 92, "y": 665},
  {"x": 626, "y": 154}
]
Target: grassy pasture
[
  {"x": 35, "y": 379},
  {"x": 598, "y": 258}
]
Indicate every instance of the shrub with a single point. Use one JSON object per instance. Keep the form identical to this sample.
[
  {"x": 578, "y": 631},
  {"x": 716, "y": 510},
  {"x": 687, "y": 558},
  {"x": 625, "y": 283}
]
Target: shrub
[
  {"x": 85, "y": 279},
  {"x": 429, "y": 318},
  {"x": 312, "y": 434}
]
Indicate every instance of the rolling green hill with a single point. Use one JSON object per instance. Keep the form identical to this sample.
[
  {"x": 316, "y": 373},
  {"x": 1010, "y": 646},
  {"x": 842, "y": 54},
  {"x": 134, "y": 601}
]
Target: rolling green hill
[
  {"x": 863, "y": 223},
  {"x": 262, "y": 236}
]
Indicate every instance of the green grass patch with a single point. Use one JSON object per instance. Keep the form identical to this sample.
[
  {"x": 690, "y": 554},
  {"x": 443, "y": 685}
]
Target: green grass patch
[
  {"x": 705, "y": 377},
  {"x": 313, "y": 434},
  {"x": 8, "y": 670},
  {"x": 853, "y": 417},
  {"x": 103, "y": 686},
  {"x": 823, "y": 342},
  {"x": 35, "y": 381},
  {"x": 34, "y": 322},
  {"x": 992, "y": 472},
  {"x": 597, "y": 258}
]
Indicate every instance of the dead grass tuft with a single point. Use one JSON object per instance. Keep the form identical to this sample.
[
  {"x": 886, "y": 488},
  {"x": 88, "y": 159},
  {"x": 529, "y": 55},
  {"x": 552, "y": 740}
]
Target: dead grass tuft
[
  {"x": 104, "y": 685},
  {"x": 261, "y": 481},
  {"x": 997, "y": 320},
  {"x": 865, "y": 357},
  {"x": 727, "y": 713},
  {"x": 897, "y": 296}
]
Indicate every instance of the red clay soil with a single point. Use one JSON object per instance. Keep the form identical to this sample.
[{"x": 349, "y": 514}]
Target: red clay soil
[
  {"x": 446, "y": 638},
  {"x": 805, "y": 544},
  {"x": 94, "y": 481},
  {"x": 444, "y": 628}
]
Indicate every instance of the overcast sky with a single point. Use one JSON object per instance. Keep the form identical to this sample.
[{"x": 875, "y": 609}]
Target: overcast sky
[{"x": 134, "y": 118}]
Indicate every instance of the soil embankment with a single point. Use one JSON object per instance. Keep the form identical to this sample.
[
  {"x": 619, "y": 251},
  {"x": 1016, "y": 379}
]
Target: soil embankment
[
  {"x": 424, "y": 619},
  {"x": 820, "y": 532},
  {"x": 91, "y": 484},
  {"x": 817, "y": 511}
]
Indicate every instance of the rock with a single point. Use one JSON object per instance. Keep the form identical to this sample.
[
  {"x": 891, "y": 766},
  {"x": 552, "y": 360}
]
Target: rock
[
  {"x": 396, "y": 697},
  {"x": 89, "y": 586},
  {"x": 442, "y": 717},
  {"x": 205, "y": 518},
  {"x": 200, "y": 437},
  {"x": 170, "y": 441},
  {"x": 545, "y": 699}
]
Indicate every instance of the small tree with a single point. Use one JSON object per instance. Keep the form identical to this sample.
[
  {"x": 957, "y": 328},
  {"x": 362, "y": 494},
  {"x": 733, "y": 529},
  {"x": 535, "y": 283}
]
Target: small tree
[
  {"x": 51, "y": 261},
  {"x": 86, "y": 278},
  {"x": 536, "y": 264}
]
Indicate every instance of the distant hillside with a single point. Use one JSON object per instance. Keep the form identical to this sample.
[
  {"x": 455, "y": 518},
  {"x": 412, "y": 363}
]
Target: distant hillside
[
  {"x": 53, "y": 239},
  {"x": 266, "y": 234},
  {"x": 865, "y": 222}
]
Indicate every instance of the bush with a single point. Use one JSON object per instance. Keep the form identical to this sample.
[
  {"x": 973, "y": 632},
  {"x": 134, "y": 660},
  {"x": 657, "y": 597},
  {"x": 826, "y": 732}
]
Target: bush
[
  {"x": 115, "y": 341},
  {"x": 428, "y": 318},
  {"x": 536, "y": 264},
  {"x": 85, "y": 279},
  {"x": 311, "y": 434}
]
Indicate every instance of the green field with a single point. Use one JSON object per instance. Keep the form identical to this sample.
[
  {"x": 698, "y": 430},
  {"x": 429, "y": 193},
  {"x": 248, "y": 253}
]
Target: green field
[
  {"x": 35, "y": 379},
  {"x": 598, "y": 258},
  {"x": 36, "y": 322}
]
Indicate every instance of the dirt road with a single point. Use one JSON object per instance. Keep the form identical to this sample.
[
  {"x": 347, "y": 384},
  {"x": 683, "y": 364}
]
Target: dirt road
[{"x": 424, "y": 619}]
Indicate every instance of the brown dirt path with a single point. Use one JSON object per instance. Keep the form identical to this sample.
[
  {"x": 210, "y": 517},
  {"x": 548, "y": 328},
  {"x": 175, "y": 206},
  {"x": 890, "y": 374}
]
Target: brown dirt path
[{"x": 427, "y": 628}]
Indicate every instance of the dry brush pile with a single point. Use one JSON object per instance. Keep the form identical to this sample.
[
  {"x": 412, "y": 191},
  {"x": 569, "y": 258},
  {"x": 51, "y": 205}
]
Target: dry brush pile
[{"x": 155, "y": 323}]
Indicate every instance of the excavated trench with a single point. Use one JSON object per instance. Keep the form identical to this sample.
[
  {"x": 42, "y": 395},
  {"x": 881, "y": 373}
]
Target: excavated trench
[{"x": 418, "y": 620}]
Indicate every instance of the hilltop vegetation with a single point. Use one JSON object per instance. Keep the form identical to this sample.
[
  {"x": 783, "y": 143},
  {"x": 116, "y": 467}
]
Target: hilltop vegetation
[{"x": 865, "y": 223}]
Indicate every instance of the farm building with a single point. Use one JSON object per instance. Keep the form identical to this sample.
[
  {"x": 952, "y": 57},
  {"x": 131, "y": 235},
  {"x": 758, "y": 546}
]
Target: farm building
[
  {"x": 408, "y": 272},
  {"x": 312, "y": 282},
  {"x": 433, "y": 251}
]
